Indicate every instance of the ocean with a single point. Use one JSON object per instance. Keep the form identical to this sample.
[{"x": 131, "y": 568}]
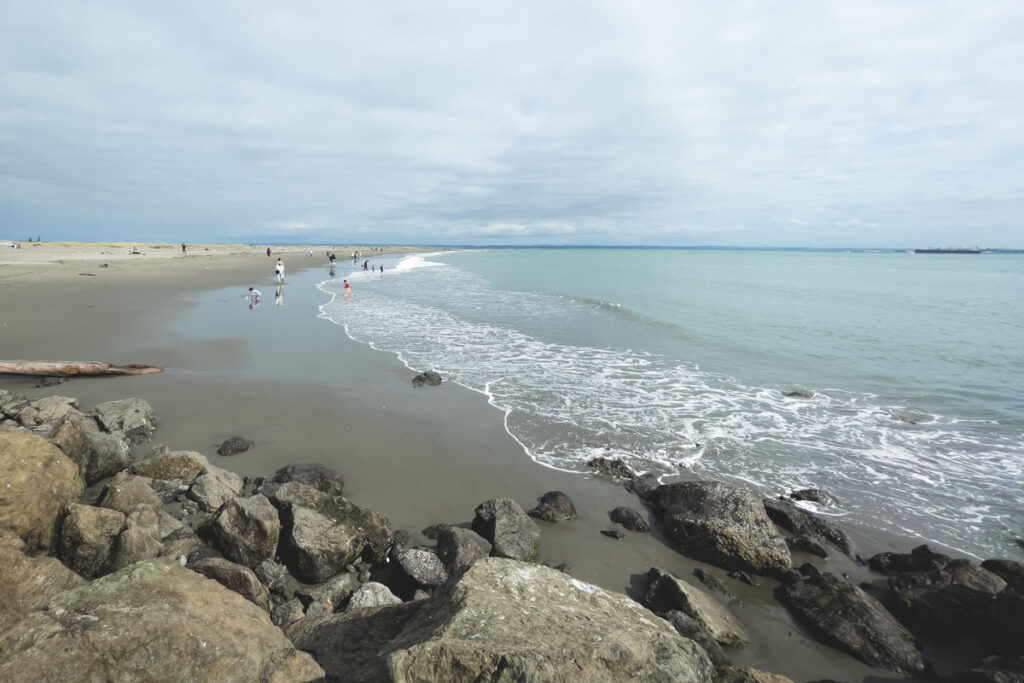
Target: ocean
[{"x": 892, "y": 381}]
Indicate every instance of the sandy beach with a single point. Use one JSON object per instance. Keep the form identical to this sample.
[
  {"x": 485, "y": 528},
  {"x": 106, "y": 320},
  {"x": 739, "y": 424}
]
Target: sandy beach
[{"x": 299, "y": 388}]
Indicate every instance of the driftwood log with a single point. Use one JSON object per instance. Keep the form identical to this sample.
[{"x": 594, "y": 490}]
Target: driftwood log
[{"x": 69, "y": 368}]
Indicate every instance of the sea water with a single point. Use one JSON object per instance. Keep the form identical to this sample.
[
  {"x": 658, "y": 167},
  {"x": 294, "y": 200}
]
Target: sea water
[{"x": 891, "y": 380}]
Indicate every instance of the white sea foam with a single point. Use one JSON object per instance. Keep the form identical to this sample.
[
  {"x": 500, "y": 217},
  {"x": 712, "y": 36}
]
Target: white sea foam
[{"x": 567, "y": 403}]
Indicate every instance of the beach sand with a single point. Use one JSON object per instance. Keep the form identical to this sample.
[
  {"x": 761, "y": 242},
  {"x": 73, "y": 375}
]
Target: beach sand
[{"x": 304, "y": 392}]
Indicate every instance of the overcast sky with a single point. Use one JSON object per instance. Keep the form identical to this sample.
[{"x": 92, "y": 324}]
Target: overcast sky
[{"x": 848, "y": 123}]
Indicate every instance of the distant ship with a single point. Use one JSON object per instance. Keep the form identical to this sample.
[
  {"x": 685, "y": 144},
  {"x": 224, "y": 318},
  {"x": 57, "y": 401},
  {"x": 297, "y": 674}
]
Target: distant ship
[{"x": 947, "y": 251}]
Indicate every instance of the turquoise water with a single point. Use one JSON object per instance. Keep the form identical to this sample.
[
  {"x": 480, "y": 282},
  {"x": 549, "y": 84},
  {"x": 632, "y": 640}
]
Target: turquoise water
[{"x": 911, "y": 367}]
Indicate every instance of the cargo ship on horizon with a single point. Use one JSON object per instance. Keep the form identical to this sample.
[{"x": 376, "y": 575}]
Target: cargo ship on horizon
[{"x": 948, "y": 251}]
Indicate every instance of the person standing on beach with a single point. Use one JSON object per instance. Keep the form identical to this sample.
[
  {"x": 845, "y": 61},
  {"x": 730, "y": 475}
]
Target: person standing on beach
[
  {"x": 182, "y": 247},
  {"x": 268, "y": 252},
  {"x": 279, "y": 269}
]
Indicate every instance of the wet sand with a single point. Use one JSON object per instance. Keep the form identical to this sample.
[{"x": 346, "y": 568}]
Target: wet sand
[{"x": 304, "y": 392}]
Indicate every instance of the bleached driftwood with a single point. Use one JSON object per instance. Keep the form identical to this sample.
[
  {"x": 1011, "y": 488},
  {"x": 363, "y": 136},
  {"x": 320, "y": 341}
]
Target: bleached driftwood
[{"x": 68, "y": 368}]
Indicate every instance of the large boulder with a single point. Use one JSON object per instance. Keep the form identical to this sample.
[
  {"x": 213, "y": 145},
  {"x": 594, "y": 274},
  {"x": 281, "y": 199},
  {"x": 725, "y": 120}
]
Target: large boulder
[
  {"x": 416, "y": 569},
  {"x": 27, "y": 583},
  {"x": 245, "y": 530},
  {"x": 87, "y": 538},
  {"x": 666, "y": 593},
  {"x": 629, "y": 518},
  {"x": 320, "y": 477},
  {"x": 132, "y": 418},
  {"x": 183, "y": 466},
  {"x": 72, "y": 435},
  {"x": 459, "y": 548},
  {"x": 152, "y": 621},
  {"x": 511, "y": 533},
  {"x": 214, "y": 487},
  {"x": 141, "y": 539},
  {"x": 920, "y": 559},
  {"x": 554, "y": 506},
  {"x": 323, "y": 532},
  {"x": 47, "y": 411},
  {"x": 847, "y": 617},
  {"x": 688, "y": 627},
  {"x": 36, "y": 481},
  {"x": 722, "y": 524},
  {"x": 372, "y": 594},
  {"x": 109, "y": 454},
  {"x": 235, "y": 577},
  {"x": 505, "y": 620},
  {"x": 805, "y": 525},
  {"x": 125, "y": 492}
]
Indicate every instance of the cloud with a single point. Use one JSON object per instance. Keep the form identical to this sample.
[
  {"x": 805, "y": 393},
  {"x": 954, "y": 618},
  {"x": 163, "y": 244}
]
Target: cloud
[{"x": 653, "y": 122}]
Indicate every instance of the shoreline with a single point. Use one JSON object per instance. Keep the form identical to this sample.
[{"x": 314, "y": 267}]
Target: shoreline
[{"x": 420, "y": 456}]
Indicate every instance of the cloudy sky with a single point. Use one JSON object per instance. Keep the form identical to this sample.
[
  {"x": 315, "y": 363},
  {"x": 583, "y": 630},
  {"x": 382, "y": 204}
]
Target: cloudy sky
[{"x": 850, "y": 123}]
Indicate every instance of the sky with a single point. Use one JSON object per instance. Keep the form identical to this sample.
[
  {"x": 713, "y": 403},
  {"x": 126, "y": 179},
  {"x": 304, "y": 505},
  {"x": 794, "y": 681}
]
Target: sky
[{"x": 849, "y": 123}]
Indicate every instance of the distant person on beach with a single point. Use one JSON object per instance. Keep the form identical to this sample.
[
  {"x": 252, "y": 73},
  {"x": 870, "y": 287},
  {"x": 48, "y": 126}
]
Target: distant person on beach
[
  {"x": 182, "y": 247},
  {"x": 279, "y": 270},
  {"x": 268, "y": 252},
  {"x": 348, "y": 287},
  {"x": 365, "y": 265}
]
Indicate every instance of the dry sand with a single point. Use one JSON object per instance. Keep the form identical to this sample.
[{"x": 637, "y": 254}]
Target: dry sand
[{"x": 304, "y": 392}]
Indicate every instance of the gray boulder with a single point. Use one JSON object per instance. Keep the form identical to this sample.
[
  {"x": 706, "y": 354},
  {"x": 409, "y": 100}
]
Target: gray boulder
[
  {"x": 87, "y": 538},
  {"x": 688, "y": 627},
  {"x": 850, "y": 619},
  {"x": 131, "y": 417},
  {"x": 109, "y": 454},
  {"x": 459, "y": 548},
  {"x": 666, "y": 593},
  {"x": 274, "y": 576},
  {"x": 233, "y": 445},
  {"x": 125, "y": 492},
  {"x": 805, "y": 525},
  {"x": 414, "y": 569},
  {"x": 28, "y": 583},
  {"x": 957, "y": 599},
  {"x": 46, "y": 411},
  {"x": 234, "y": 577},
  {"x": 330, "y": 594},
  {"x": 554, "y": 506},
  {"x": 71, "y": 435},
  {"x": 141, "y": 539},
  {"x": 511, "y": 533},
  {"x": 428, "y": 378},
  {"x": 318, "y": 476},
  {"x": 920, "y": 559},
  {"x": 287, "y": 613},
  {"x": 245, "y": 530},
  {"x": 39, "y": 480},
  {"x": 372, "y": 594},
  {"x": 152, "y": 621},
  {"x": 722, "y": 524},
  {"x": 630, "y": 518},
  {"x": 505, "y": 620},
  {"x": 214, "y": 487},
  {"x": 183, "y": 466}
]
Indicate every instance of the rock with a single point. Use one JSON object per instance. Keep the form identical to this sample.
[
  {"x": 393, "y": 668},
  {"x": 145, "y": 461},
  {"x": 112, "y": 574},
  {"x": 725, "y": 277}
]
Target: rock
[
  {"x": 287, "y": 613},
  {"x": 613, "y": 533},
  {"x": 459, "y": 548},
  {"x": 131, "y": 417},
  {"x": 332, "y": 592},
  {"x": 666, "y": 592},
  {"x": 428, "y": 378},
  {"x": 806, "y": 544},
  {"x": 812, "y": 495},
  {"x": 48, "y": 410},
  {"x": 957, "y": 599},
  {"x": 741, "y": 577},
  {"x": 847, "y": 617},
  {"x": 1009, "y": 571},
  {"x": 87, "y": 538},
  {"x": 711, "y": 581},
  {"x": 245, "y": 530},
  {"x": 803, "y": 524},
  {"x": 234, "y": 577},
  {"x": 644, "y": 485},
  {"x": 125, "y": 492},
  {"x": 511, "y": 533},
  {"x": 372, "y": 594},
  {"x": 27, "y": 583},
  {"x": 920, "y": 559},
  {"x": 152, "y": 621},
  {"x": 233, "y": 445},
  {"x": 630, "y": 518},
  {"x": 319, "y": 541},
  {"x": 414, "y": 569},
  {"x": 554, "y": 506},
  {"x": 109, "y": 455},
  {"x": 610, "y": 467},
  {"x": 722, "y": 524},
  {"x": 434, "y": 530},
  {"x": 49, "y": 382},
  {"x": 799, "y": 393},
  {"x": 215, "y": 487},
  {"x": 1006, "y": 628},
  {"x": 318, "y": 476},
  {"x": 38, "y": 481},
  {"x": 141, "y": 539},
  {"x": 183, "y": 466},
  {"x": 749, "y": 675},
  {"x": 688, "y": 627},
  {"x": 505, "y": 620},
  {"x": 71, "y": 435},
  {"x": 274, "y": 576}
]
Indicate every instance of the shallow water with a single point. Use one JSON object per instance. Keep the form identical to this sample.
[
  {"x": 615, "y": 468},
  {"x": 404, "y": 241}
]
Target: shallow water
[{"x": 673, "y": 359}]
